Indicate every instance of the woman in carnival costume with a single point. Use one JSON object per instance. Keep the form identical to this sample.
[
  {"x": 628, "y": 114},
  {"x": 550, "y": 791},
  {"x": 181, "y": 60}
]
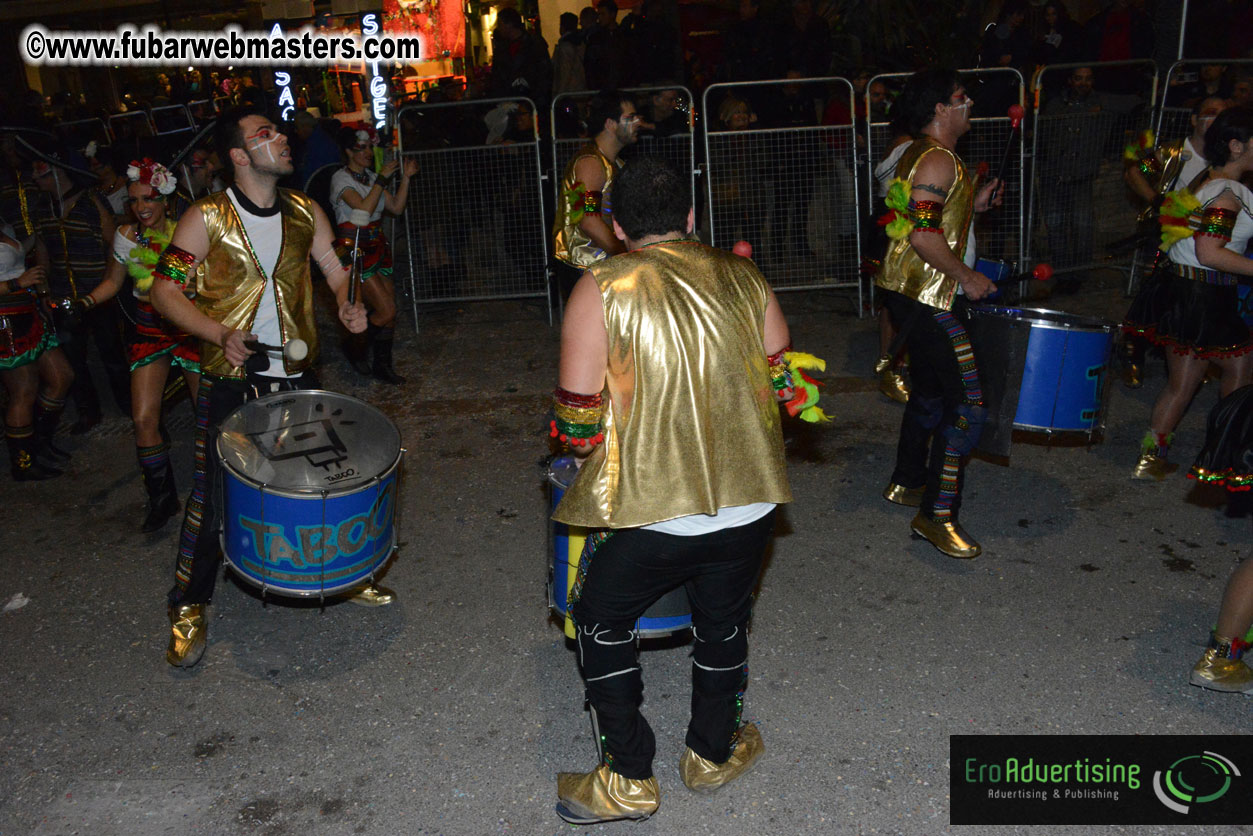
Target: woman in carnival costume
[
  {"x": 29, "y": 357},
  {"x": 156, "y": 344},
  {"x": 1190, "y": 304},
  {"x": 360, "y": 198},
  {"x": 1227, "y": 460}
]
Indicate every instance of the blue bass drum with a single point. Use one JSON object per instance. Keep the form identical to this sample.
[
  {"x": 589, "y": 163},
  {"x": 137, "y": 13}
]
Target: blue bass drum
[
  {"x": 994, "y": 268},
  {"x": 309, "y": 484},
  {"x": 1064, "y": 379},
  {"x": 671, "y": 613}
]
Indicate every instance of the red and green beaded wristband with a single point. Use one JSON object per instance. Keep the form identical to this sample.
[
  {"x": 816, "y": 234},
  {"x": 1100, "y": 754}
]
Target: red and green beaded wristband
[{"x": 577, "y": 418}]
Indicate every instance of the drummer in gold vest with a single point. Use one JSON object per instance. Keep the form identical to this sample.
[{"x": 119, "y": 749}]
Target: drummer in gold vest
[
  {"x": 245, "y": 252},
  {"x": 927, "y": 277},
  {"x": 667, "y": 388},
  {"x": 582, "y": 231}
]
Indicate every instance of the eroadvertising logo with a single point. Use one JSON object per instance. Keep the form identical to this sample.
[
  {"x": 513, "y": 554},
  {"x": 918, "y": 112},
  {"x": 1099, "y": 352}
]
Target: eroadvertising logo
[
  {"x": 1099, "y": 779},
  {"x": 1211, "y": 772}
]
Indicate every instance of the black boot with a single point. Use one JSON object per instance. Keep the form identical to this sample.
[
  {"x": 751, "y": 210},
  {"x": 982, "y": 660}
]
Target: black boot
[
  {"x": 357, "y": 350},
  {"x": 47, "y": 418},
  {"x": 384, "y": 339},
  {"x": 154, "y": 463},
  {"x": 22, "y": 463}
]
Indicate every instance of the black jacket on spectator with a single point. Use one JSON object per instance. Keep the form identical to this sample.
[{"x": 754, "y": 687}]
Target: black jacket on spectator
[{"x": 522, "y": 68}]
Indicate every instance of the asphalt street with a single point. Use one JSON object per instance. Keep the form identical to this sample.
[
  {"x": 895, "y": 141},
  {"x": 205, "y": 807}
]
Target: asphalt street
[{"x": 451, "y": 711}]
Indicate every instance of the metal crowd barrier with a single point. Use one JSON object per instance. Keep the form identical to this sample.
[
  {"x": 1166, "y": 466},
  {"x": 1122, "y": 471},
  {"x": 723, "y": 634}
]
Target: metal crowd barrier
[
  {"x": 202, "y": 110},
  {"x": 1174, "y": 119},
  {"x": 568, "y": 114},
  {"x": 83, "y": 131},
  {"x": 133, "y": 123},
  {"x": 171, "y": 119},
  {"x": 1081, "y": 204},
  {"x": 474, "y": 221},
  {"x": 784, "y": 182},
  {"x": 998, "y": 233}
]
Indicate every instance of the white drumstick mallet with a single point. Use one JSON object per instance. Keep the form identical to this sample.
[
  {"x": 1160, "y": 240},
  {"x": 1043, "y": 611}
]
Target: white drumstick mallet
[{"x": 294, "y": 350}]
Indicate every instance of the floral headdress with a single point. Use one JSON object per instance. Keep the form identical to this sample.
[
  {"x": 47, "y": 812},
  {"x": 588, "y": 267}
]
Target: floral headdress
[
  {"x": 366, "y": 137},
  {"x": 151, "y": 173}
]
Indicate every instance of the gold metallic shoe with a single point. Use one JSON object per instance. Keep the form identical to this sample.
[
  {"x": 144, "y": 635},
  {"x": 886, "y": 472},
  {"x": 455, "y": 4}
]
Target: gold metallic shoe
[
  {"x": 1220, "y": 669},
  {"x": 703, "y": 775},
  {"x": 188, "y": 635},
  {"x": 371, "y": 596},
  {"x": 1132, "y": 375},
  {"x": 892, "y": 384},
  {"x": 901, "y": 495},
  {"x": 1153, "y": 466},
  {"x": 604, "y": 795},
  {"x": 947, "y": 536}
]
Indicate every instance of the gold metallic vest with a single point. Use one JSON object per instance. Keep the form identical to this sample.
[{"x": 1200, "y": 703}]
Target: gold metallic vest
[
  {"x": 229, "y": 288},
  {"x": 571, "y": 244},
  {"x": 903, "y": 269},
  {"x": 691, "y": 424}
]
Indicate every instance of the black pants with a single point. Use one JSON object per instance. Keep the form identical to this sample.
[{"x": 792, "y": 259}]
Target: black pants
[
  {"x": 566, "y": 276},
  {"x": 199, "y": 552},
  {"x": 103, "y": 325},
  {"x": 625, "y": 575},
  {"x": 945, "y": 413}
]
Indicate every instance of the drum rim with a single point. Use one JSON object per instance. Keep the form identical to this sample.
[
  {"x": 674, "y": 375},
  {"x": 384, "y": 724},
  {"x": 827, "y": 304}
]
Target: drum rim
[
  {"x": 1097, "y": 323},
  {"x": 300, "y": 493},
  {"x": 552, "y": 476}
]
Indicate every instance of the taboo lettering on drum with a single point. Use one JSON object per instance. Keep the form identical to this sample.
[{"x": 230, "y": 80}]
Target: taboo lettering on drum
[{"x": 314, "y": 545}]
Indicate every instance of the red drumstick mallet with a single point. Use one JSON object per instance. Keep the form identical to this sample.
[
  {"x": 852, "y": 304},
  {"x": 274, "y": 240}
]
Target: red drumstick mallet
[
  {"x": 743, "y": 249},
  {"x": 1016, "y": 114},
  {"x": 1042, "y": 272}
]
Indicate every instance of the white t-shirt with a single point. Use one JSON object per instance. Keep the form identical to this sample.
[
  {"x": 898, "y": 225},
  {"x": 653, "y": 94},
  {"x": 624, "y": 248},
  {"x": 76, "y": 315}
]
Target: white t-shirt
[
  {"x": 695, "y": 524},
  {"x": 265, "y": 233},
  {"x": 343, "y": 180},
  {"x": 12, "y": 262},
  {"x": 885, "y": 171},
  {"x": 1184, "y": 252},
  {"x": 117, "y": 200}
]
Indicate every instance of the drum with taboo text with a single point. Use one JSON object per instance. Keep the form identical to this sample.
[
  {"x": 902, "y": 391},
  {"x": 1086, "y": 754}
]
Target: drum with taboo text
[{"x": 309, "y": 492}]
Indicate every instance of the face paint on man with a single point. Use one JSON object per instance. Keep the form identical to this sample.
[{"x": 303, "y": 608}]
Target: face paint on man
[{"x": 264, "y": 138}]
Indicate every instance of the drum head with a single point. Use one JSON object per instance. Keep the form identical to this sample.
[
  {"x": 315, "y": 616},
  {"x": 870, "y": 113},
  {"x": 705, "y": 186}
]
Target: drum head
[
  {"x": 308, "y": 442},
  {"x": 1042, "y": 318}
]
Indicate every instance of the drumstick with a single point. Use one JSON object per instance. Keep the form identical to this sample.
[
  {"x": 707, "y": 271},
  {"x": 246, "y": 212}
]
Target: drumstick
[
  {"x": 1042, "y": 272},
  {"x": 1015, "y": 121},
  {"x": 743, "y": 249},
  {"x": 294, "y": 349},
  {"x": 354, "y": 272}
]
